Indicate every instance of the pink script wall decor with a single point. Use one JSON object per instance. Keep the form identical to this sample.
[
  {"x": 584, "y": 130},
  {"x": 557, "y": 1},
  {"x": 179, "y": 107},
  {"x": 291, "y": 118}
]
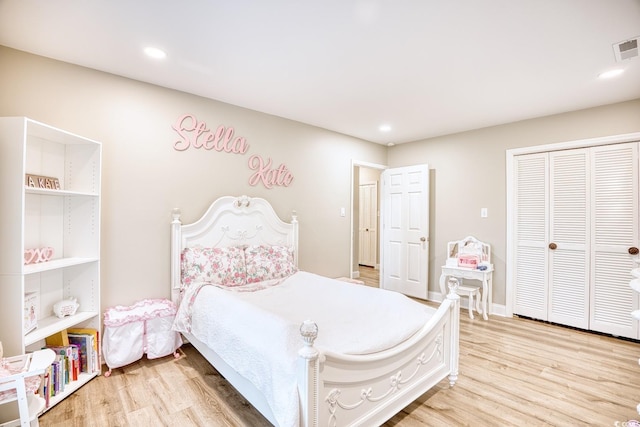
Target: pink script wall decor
[
  {"x": 267, "y": 176},
  {"x": 196, "y": 134}
]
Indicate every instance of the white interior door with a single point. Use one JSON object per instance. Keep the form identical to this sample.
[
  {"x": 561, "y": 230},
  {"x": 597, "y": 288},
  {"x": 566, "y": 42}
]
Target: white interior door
[
  {"x": 530, "y": 230},
  {"x": 614, "y": 209},
  {"x": 405, "y": 230},
  {"x": 569, "y": 222},
  {"x": 368, "y": 234}
]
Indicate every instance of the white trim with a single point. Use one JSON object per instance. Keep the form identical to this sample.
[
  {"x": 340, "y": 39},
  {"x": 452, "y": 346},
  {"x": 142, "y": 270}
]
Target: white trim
[{"x": 510, "y": 154}]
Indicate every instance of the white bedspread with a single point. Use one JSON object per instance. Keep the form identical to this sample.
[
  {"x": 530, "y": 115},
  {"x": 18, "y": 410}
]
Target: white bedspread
[{"x": 257, "y": 333}]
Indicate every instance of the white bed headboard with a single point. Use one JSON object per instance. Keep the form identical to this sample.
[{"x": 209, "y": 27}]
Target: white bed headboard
[{"x": 231, "y": 221}]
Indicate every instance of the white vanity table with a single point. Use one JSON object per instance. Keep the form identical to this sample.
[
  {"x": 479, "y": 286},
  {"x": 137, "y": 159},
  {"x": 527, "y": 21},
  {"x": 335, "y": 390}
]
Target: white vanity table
[
  {"x": 482, "y": 294},
  {"x": 470, "y": 259}
]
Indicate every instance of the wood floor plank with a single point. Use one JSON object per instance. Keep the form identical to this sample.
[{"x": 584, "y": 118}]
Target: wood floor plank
[{"x": 513, "y": 372}]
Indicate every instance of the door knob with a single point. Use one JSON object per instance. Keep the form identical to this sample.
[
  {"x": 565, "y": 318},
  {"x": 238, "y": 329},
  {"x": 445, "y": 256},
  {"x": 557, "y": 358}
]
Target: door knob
[
  {"x": 423, "y": 239},
  {"x": 633, "y": 250},
  {"x": 553, "y": 246}
]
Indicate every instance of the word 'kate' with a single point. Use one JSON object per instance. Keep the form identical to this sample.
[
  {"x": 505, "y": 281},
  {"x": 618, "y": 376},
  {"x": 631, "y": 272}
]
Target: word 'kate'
[{"x": 268, "y": 176}]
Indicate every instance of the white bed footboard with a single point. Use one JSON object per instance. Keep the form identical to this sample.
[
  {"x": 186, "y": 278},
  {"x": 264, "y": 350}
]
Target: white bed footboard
[{"x": 344, "y": 390}]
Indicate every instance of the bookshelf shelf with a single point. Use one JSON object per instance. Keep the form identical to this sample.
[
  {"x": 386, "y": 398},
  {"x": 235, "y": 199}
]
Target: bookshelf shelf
[
  {"x": 56, "y": 264},
  {"x": 51, "y": 325},
  {"x": 65, "y": 219},
  {"x": 57, "y": 193}
]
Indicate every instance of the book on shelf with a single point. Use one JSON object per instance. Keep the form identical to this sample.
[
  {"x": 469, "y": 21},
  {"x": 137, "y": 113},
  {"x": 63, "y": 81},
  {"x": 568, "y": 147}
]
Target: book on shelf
[
  {"x": 71, "y": 354},
  {"x": 57, "y": 339},
  {"x": 63, "y": 370},
  {"x": 77, "y": 351},
  {"x": 96, "y": 345}
]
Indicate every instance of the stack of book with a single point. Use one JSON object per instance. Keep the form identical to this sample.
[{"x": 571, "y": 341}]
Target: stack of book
[{"x": 77, "y": 352}]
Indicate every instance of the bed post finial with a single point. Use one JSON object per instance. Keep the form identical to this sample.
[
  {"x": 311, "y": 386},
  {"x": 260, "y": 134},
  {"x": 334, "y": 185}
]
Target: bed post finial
[
  {"x": 453, "y": 284},
  {"x": 309, "y": 332},
  {"x": 175, "y": 214}
]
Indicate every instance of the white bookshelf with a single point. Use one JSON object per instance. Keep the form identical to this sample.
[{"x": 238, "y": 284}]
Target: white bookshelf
[{"x": 65, "y": 219}]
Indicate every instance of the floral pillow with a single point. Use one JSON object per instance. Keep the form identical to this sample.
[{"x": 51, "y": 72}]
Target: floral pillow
[
  {"x": 223, "y": 266},
  {"x": 268, "y": 262}
]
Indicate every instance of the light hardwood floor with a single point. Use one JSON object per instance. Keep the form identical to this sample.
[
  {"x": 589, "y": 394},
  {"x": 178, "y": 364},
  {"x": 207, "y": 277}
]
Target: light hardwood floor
[
  {"x": 513, "y": 372},
  {"x": 369, "y": 275}
]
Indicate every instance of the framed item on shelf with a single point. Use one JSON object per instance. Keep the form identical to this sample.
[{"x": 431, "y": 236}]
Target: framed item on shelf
[{"x": 31, "y": 308}]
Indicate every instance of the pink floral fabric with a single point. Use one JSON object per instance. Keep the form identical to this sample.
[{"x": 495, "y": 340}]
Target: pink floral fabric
[
  {"x": 265, "y": 262},
  {"x": 222, "y": 266},
  {"x": 31, "y": 383}
]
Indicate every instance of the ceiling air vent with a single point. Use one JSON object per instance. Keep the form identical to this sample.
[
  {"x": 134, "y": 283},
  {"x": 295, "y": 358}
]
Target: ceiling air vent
[{"x": 626, "y": 50}]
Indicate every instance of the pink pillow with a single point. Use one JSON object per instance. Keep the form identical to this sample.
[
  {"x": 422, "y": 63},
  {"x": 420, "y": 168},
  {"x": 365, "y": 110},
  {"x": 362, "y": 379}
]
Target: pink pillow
[
  {"x": 222, "y": 266},
  {"x": 268, "y": 262}
]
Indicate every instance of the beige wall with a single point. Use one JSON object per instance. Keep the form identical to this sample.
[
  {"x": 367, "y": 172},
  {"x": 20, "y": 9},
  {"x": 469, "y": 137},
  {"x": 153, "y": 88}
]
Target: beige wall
[
  {"x": 468, "y": 173},
  {"x": 144, "y": 178}
]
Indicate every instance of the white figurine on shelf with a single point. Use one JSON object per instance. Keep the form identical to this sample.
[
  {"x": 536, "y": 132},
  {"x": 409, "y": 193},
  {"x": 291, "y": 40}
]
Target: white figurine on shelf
[{"x": 66, "y": 307}]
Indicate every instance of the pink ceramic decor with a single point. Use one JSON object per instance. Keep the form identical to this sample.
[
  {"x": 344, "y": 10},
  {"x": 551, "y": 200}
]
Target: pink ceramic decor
[{"x": 33, "y": 256}]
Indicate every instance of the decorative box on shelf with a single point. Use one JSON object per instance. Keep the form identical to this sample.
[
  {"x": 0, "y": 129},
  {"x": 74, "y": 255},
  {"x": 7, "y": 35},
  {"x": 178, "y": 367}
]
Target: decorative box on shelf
[{"x": 31, "y": 308}]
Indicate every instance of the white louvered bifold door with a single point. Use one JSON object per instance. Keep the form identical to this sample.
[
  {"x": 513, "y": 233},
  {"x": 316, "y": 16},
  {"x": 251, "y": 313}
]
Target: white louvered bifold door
[
  {"x": 569, "y": 238},
  {"x": 615, "y": 230},
  {"x": 531, "y": 229}
]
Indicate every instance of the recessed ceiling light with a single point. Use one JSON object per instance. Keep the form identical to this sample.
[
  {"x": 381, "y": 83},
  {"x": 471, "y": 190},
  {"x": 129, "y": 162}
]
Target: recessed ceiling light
[
  {"x": 384, "y": 128},
  {"x": 611, "y": 73},
  {"x": 154, "y": 52},
  {"x": 390, "y": 144}
]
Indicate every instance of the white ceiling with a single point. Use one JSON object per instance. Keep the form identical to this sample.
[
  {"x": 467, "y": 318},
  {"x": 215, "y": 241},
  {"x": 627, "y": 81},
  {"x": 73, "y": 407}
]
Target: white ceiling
[{"x": 425, "y": 67}]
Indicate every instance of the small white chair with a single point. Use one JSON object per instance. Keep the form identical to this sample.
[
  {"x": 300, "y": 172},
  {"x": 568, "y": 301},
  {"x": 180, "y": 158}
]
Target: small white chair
[
  {"x": 18, "y": 379},
  {"x": 470, "y": 259}
]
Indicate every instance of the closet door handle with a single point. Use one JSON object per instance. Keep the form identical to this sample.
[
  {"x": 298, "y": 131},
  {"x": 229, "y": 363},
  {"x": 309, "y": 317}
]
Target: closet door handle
[
  {"x": 633, "y": 250},
  {"x": 553, "y": 246}
]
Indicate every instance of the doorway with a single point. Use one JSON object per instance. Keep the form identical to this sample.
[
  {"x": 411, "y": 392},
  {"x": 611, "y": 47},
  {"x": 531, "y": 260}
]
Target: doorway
[
  {"x": 365, "y": 221},
  {"x": 368, "y": 224}
]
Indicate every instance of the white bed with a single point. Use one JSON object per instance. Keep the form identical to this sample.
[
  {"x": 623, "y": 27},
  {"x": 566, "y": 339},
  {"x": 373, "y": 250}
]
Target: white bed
[{"x": 302, "y": 348}]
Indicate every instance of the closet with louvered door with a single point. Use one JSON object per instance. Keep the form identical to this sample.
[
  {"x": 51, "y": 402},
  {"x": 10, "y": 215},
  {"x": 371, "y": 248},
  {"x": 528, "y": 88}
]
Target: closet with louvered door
[{"x": 576, "y": 223}]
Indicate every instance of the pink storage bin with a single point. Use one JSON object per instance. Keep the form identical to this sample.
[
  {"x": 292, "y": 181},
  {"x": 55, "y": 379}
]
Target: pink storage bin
[
  {"x": 468, "y": 261},
  {"x": 144, "y": 327}
]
